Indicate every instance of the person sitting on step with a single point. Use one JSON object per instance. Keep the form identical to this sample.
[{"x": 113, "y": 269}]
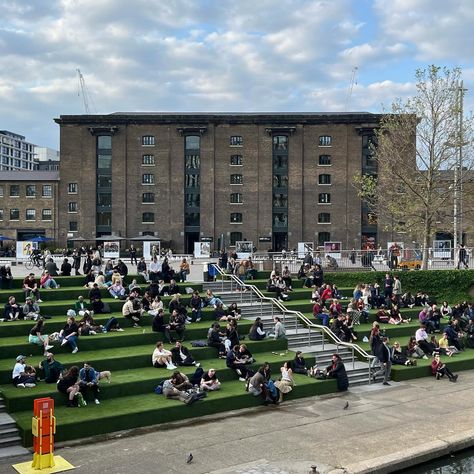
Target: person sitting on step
[
  {"x": 180, "y": 355},
  {"x": 439, "y": 369},
  {"x": 256, "y": 332},
  {"x": 234, "y": 362},
  {"x": 22, "y": 376},
  {"x": 298, "y": 364},
  {"x": 161, "y": 357},
  {"x": 209, "y": 381},
  {"x": 50, "y": 369},
  {"x": 70, "y": 332},
  {"x": 285, "y": 384},
  {"x": 279, "y": 331},
  {"x": 133, "y": 311},
  {"x": 69, "y": 385},
  {"x": 88, "y": 381},
  {"x": 38, "y": 336}
]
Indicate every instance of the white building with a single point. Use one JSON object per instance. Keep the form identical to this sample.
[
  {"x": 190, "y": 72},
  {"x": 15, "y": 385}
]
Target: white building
[
  {"x": 16, "y": 153},
  {"x": 48, "y": 158}
]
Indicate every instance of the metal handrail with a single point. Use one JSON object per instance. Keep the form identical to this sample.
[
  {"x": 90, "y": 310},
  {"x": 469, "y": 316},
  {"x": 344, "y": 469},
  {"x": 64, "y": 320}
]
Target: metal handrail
[{"x": 310, "y": 324}]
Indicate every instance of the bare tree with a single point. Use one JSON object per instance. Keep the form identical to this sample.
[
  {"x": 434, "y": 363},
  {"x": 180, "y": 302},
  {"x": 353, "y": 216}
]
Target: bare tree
[{"x": 418, "y": 145}]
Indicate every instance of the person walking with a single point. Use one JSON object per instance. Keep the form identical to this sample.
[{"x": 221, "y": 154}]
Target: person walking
[{"x": 385, "y": 361}]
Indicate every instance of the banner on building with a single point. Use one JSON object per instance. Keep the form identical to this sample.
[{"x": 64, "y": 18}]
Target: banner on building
[{"x": 333, "y": 249}]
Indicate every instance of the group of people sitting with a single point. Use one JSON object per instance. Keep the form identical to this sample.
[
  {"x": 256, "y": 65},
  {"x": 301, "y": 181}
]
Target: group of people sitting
[{"x": 75, "y": 383}]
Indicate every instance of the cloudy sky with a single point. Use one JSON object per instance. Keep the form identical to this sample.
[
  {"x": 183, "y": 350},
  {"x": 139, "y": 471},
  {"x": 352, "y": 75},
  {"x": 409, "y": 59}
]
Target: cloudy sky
[{"x": 220, "y": 55}]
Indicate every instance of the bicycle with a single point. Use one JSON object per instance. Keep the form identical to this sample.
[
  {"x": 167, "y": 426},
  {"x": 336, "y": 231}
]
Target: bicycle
[{"x": 34, "y": 261}]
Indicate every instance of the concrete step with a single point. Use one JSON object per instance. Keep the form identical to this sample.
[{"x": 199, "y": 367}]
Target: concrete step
[
  {"x": 8, "y": 432},
  {"x": 12, "y": 440},
  {"x": 12, "y": 452}
]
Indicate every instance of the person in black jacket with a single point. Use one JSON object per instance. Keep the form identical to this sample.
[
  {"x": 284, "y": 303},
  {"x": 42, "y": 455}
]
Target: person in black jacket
[
  {"x": 337, "y": 371},
  {"x": 158, "y": 325},
  {"x": 214, "y": 339},
  {"x": 234, "y": 362},
  {"x": 385, "y": 357},
  {"x": 6, "y": 277},
  {"x": 180, "y": 355},
  {"x": 299, "y": 364},
  {"x": 66, "y": 268},
  {"x": 95, "y": 299},
  {"x": 256, "y": 332}
]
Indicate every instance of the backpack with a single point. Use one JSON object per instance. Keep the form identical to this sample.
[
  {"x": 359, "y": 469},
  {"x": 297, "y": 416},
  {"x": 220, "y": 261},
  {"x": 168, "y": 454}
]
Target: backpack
[
  {"x": 159, "y": 388},
  {"x": 199, "y": 344}
]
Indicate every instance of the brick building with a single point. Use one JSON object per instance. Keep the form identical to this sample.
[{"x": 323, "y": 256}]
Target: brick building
[
  {"x": 28, "y": 204},
  {"x": 273, "y": 179}
]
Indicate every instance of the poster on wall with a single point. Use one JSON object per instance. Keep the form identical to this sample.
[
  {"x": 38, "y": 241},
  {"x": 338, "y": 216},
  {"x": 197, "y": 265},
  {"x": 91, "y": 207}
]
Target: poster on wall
[
  {"x": 112, "y": 249},
  {"x": 151, "y": 249},
  {"x": 304, "y": 248},
  {"x": 441, "y": 249},
  {"x": 243, "y": 249},
  {"x": 333, "y": 249},
  {"x": 202, "y": 249},
  {"x": 24, "y": 248}
]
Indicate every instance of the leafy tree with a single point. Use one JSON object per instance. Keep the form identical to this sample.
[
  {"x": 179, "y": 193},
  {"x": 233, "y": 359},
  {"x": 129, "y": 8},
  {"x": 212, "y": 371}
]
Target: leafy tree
[{"x": 417, "y": 154}]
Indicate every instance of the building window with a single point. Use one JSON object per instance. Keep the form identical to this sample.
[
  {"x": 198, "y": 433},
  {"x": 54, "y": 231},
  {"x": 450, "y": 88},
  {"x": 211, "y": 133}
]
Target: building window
[
  {"x": 192, "y": 219},
  {"x": 280, "y": 219},
  {"x": 46, "y": 215},
  {"x": 148, "y": 160},
  {"x": 72, "y": 207},
  {"x": 14, "y": 214},
  {"x": 191, "y": 180},
  {"x": 192, "y": 142},
  {"x": 236, "y": 140},
  {"x": 280, "y": 143},
  {"x": 14, "y": 190},
  {"x": 236, "y": 217},
  {"x": 324, "y": 198},
  {"x": 280, "y": 181},
  {"x": 104, "y": 219},
  {"x": 192, "y": 162},
  {"x": 324, "y": 160},
  {"x": 148, "y": 218},
  {"x": 104, "y": 200},
  {"x": 148, "y": 179},
  {"x": 235, "y": 160},
  {"x": 1, "y": 214},
  {"x": 236, "y": 179},
  {"x": 236, "y": 198},
  {"x": 324, "y": 218},
  {"x": 192, "y": 200},
  {"x": 148, "y": 198},
  {"x": 72, "y": 188},
  {"x": 47, "y": 191},
  {"x": 325, "y": 140},
  {"x": 148, "y": 140},
  {"x": 235, "y": 237},
  {"x": 323, "y": 237},
  {"x": 31, "y": 190},
  {"x": 30, "y": 214},
  {"x": 73, "y": 227},
  {"x": 1, "y": 190},
  {"x": 104, "y": 142},
  {"x": 280, "y": 200},
  {"x": 324, "y": 179}
]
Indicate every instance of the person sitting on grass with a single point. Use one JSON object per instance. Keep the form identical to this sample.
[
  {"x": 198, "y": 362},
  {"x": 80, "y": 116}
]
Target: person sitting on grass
[
  {"x": 181, "y": 355},
  {"x": 177, "y": 323},
  {"x": 214, "y": 339},
  {"x": 245, "y": 355},
  {"x": 38, "y": 337},
  {"x": 396, "y": 317},
  {"x": 209, "y": 381},
  {"x": 298, "y": 364},
  {"x": 421, "y": 337},
  {"x": 132, "y": 311},
  {"x": 443, "y": 347},
  {"x": 220, "y": 314},
  {"x": 70, "y": 332},
  {"x": 89, "y": 279},
  {"x": 196, "y": 304},
  {"x": 156, "y": 305},
  {"x": 382, "y": 316},
  {"x": 117, "y": 290},
  {"x": 88, "y": 381},
  {"x": 50, "y": 369},
  {"x": 11, "y": 311},
  {"x": 256, "y": 332},
  {"x": 234, "y": 362},
  {"x": 439, "y": 369},
  {"x": 211, "y": 300},
  {"x": 95, "y": 299},
  {"x": 257, "y": 384},
  {"x": 233, "y": 311},
  {"x": 80, "y": 306},
  {"x": 30, "y": 287},
  {"x": 162, "y": 357},
  {"x": 171, "y": 392},
  {"x": 47, "y": 281},
  {"x": 454, "y": 335},
  {"x": 181, "y": 381},
  {"x": 285, "y": 384},
  {"x": 279, "y": 331},
  {"x": 337, "y": 371},
  {"x": 414, "y": 350},
  {"x": 176, "y": 304},
  {"x": 69, "y": 385},
  {"x": 87, "y": 326},
  {"x": 30, "y": 309},
  {"x": 22, "y": 376},
  {"x": 158, "y": 325},
  {"x": 399, "y": 355}
]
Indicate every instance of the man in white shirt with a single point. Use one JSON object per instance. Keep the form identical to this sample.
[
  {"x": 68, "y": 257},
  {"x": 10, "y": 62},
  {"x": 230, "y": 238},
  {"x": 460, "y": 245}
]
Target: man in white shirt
[
  {"x": 20, "y": 378},
  {"x": 154, "y": 269},
  {"x": 421, "y": 337}
]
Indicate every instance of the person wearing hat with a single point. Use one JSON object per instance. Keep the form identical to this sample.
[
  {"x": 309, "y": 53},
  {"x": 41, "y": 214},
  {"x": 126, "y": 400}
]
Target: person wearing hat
[
  {"x": 50, "y": 368},
  {"x": 21, "y": 378}
]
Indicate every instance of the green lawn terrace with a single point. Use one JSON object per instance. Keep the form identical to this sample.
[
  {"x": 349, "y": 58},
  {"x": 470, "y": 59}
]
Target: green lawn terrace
[{"x": 129, "y": 402}]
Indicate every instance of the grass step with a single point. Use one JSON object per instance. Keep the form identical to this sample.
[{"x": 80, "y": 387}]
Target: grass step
[
  {"x": 130, "y": 357},
  {"x": 144, "y": 410},
  {"x": 137, "y": 381}
]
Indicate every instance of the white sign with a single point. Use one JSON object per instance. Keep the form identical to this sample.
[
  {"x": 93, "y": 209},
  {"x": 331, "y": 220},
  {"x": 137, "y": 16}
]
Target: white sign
[
  {"x": 304, "y": 248},
  {"x": 24, "y": 248},
  {"x": 151, "y": 249},
  {"x": 112, "y": 249},
  {"x": 243, "y": 249},
  {"x": 202, "y": 249}
]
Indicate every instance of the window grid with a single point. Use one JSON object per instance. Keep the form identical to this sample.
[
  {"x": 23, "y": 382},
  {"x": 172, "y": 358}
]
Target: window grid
[
  {"x": 148, "y": 160},
  {"x": 236, "y": 140},
  {"x": 325, "y": 140},
  {"x": 148, "y": 140},
  {"x": 324, "y": 218},
  {"x": 236, "y": 179},
  {"x": 324, "y": 198},
  {"x": 148, "y": 198},
  {"x": 236, "y": 198},
  {"x": 31, "y": 190},
  {"x": 148, "y": 179},
  {"x": 46, "y": 215},
  {"x": 324, "y": 179},
  {"x": 30, "y": 214},
  {"x": 72, "y": 206},
  {"x": 72, "y": 188},
  {"x": 47, "y": 191},
  {"x": 236, "y": 218},
  {"x": 324, "y": 160},
  {"x": 14, "y": 190},
  {"x": 14, "y": 214},
  {"x": 148, "y": 218},
  {"x": 236, "y": 160}
]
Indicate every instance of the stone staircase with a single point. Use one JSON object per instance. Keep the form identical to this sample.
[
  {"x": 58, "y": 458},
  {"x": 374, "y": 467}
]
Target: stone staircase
[
  {"x": 300, "y": 338},
  {"x": 10, "y": 442}
]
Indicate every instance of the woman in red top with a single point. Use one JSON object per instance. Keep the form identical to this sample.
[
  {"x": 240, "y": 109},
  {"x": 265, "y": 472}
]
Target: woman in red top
[{"x": 439, "y": 369}]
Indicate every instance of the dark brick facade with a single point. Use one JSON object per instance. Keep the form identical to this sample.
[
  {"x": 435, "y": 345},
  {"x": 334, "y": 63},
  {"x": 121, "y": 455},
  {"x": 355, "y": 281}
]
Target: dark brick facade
[{"x": 78, "y": 165}]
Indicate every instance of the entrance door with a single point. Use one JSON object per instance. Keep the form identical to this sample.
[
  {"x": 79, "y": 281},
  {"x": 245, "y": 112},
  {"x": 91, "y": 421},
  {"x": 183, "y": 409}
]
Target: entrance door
[
  {"x": 189, "y": 239},
  {"x": 280, "y": 241}
]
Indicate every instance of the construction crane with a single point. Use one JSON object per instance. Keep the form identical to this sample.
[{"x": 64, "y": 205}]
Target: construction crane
[
  {"x": 351, "y": 87},
  {"x": 81, "y": 88}
]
